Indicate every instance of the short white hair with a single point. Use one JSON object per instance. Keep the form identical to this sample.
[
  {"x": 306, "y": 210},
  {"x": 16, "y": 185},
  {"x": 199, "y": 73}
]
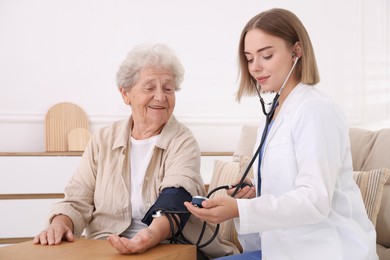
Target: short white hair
[{"x": 141, "y": 56}]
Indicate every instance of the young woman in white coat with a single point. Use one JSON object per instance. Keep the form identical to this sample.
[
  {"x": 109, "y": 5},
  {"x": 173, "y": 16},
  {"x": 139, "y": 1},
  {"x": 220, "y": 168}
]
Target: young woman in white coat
[{"x": 304, "y": 204}]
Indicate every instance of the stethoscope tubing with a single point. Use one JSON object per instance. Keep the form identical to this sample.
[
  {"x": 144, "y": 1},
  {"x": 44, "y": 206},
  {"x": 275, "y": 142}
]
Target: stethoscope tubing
[{"x": 269, "y": 115}]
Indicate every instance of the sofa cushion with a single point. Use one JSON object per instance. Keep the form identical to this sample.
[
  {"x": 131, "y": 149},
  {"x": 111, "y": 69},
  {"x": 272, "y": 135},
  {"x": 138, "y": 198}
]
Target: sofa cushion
[
  {"x": 246, "y": 142},
  {"x": 244, "y": 161},
  {"x": 225, "y": 173},
  {"x": 383, "y": 219},
  {"x": 371, "y": 150},
  {"x": 371, "y": 185},
  {"x": 383, "y": 252}
]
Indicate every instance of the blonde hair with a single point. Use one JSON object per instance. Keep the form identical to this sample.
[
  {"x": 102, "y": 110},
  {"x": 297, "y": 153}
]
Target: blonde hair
[{"x": 285, "y": 25}]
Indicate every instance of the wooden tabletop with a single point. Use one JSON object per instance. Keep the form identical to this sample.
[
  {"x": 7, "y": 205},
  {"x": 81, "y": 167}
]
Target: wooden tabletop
[{"x": 84, "y": 249}]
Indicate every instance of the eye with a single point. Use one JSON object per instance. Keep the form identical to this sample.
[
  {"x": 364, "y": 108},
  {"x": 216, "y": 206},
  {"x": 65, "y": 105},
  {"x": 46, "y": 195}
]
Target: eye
[
  {"x": 149, "y": 87},
  {"x": 249, "y": 59},
  {"x": 169, "y": 88},
  {"x": 268, "y": 57}
]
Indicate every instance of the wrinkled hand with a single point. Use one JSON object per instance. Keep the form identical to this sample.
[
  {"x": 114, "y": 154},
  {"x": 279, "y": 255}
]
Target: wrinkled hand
[
  {"x": 54, "y": 234},
  {"x": 215, "y": 210},
  {"x": 138, "y": 244},
  {"x": 247, "y": 192}
]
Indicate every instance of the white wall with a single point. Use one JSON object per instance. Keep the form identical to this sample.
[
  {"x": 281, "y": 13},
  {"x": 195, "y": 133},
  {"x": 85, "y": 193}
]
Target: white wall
[{"x": 53, "y": 51}]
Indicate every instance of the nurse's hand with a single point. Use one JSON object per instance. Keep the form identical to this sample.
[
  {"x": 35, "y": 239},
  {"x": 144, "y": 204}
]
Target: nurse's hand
[
  {"x": 215, "y": 210},
  {"x": 246, "y": 192}
]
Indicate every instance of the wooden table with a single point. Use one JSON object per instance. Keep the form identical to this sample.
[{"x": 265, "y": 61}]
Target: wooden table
[{"x": 85, "y": 249}]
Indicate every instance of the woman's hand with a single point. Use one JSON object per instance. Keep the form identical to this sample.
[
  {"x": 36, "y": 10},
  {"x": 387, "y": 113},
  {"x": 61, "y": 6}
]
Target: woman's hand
[
  {"x": 138, "y": 244},
  {"x": 215, "y": 210},
  {"x": 60, "y": 228},
  {"x": 158, "y": 231},
  {"x": 247, "y": 192}
]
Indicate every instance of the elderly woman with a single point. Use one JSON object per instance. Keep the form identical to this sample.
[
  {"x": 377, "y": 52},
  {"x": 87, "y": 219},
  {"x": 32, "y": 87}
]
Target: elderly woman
[{"x": 136, "y": 166}]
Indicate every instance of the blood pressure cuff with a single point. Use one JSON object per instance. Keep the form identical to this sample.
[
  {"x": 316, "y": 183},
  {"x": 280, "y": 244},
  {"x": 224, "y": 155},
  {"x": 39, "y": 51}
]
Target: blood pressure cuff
[{"x": 170, "y": 199}]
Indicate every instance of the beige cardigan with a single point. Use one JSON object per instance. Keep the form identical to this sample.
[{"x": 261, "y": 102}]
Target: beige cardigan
[{"x": 97, "y": 197}]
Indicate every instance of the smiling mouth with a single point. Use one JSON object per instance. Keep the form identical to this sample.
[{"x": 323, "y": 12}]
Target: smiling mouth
[
  {"x": 262, "y": 79},
  {"x": 156, "y": 107}
]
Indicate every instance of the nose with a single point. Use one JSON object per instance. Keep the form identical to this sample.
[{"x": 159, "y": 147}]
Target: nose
[
  {"x": 255, "y": 65},
  {"x": 159, "y": 94}
]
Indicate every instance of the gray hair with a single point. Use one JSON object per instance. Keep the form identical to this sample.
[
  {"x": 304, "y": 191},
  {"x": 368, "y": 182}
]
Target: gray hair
[{"x": 157, "y": 55}]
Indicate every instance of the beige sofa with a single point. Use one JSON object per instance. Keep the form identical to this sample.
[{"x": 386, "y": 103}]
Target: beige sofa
[{"x": 371, "y": 163}]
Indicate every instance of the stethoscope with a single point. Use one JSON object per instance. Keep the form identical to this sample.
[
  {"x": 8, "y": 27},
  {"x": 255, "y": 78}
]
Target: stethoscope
[
  {"x": 269, "y": 115},
  {"x": 197, "y": 200}
]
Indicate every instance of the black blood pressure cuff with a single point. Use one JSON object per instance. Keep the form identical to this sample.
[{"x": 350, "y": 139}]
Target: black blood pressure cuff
[{"x": 170, "y": 199}]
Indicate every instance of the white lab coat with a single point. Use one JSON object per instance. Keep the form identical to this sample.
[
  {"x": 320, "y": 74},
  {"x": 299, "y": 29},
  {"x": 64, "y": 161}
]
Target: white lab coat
[{"x": 310, "y": 207}]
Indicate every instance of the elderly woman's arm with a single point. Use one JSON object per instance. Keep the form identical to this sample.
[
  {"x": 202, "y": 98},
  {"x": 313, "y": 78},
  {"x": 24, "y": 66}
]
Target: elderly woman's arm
[{"x": 157, "y": 231}]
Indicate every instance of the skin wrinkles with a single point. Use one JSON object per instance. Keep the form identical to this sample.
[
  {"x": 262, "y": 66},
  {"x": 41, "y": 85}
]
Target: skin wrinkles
[{"x": 152, "y": 100}]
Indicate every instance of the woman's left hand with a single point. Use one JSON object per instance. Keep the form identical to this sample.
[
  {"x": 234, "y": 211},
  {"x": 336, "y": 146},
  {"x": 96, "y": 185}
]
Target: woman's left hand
[
  {"x": 138, "y": 244},
  {"x": 215, "y": 210}
]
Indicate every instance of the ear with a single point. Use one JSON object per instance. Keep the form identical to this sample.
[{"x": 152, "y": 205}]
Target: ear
[
  {"x": 125, "y": 95},
  {"x": 297, "y": 49}
]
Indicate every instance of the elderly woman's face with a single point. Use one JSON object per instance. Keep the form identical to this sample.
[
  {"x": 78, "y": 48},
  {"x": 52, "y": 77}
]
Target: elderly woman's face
[{"x": 152, "y": 98}]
